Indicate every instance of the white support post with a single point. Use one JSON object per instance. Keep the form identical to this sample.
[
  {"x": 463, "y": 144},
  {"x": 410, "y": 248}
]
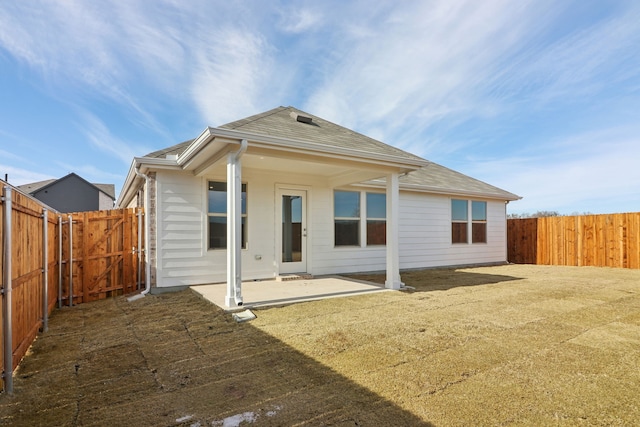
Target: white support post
[
  {"x": 234, "y": 228},
  {"x": 393, "y": 221}
]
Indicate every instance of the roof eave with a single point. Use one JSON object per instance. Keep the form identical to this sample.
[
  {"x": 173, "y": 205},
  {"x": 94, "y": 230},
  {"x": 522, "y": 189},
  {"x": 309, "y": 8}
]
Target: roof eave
[
  {"x": 317, "y": 149},
  {"x": 132, "y": 182},
  {"x": 506, "y": 196},
  {"x": 444, "y": 191}
]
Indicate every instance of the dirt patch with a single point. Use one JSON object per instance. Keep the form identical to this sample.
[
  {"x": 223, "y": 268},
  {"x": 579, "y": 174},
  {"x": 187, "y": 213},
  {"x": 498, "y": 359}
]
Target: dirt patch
[{"x": 485, "y": 346}]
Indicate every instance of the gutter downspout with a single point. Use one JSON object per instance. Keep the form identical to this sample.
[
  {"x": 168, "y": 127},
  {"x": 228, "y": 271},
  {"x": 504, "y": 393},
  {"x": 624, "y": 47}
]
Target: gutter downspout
[
  {"x": 147, "y": 271},
  {"x": 234, "y": 226}
]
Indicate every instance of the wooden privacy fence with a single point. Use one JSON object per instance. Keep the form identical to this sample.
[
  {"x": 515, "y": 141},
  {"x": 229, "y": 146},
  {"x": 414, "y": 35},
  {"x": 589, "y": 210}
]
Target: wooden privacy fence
[
  {"x": 611, "y": 240},
  {"x": 47, "y": 257}
]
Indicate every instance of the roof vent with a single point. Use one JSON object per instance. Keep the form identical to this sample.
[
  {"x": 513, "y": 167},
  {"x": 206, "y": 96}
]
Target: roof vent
[
  {"x": 300, "y": 118},
  {"x": 171, "y": 157}
]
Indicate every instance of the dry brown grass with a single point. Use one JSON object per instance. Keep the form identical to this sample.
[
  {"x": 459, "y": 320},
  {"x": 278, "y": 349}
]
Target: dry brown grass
[
  {"x": 523, "y": 345},
  {"x": 529, "y": 345}
]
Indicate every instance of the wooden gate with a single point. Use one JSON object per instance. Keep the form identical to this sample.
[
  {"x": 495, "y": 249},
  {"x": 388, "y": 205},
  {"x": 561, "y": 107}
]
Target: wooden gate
[
  {"x": 105, "y": 248},
  {"x": 46, "y": 256}
]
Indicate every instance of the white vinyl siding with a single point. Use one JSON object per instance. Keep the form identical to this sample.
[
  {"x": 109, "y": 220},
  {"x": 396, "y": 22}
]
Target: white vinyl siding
[{"x": 424, "y": 232}]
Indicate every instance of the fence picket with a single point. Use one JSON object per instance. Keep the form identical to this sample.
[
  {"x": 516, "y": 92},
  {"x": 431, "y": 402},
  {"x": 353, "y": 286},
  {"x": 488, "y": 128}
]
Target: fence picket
[
  {"x": 101, "y": 250},
  {"x": 610, "y": 240}
]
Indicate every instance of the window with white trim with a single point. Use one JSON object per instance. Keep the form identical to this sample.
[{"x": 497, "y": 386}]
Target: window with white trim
[
  {"x": 346, "y": 210},
  {"x": 350, "y": 221},
  {"x": 217, "y": 215},
  {"x": 468, "y": 221},
  {"x": 376, "y": 219},
  {"x": 478, "y": 222},
  {"x": 459, "y": 220}
]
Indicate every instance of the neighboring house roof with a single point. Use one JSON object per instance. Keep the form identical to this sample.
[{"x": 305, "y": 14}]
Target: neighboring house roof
[
  {"x": 108, "y": 189},
  {"x": 278, "y": 123},
  {"x": 34, "y": 187}
]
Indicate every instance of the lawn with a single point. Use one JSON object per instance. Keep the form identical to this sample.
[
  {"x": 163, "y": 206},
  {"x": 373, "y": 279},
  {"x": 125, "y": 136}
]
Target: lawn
[{"x": 506, "y": 345}]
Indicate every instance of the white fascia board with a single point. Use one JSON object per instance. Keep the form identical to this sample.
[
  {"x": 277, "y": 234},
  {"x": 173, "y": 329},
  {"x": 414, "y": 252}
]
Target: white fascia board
[
  {"x": 132, "y": 182},
  {"x": 478, "y": 194},
  {"x": 128, "y": 188},
  {"x": 151, "y": 163},
  {"x": 207, "y": 144},
  {"x": 195, "y": 147},
  {"x": 444, "y": 192},
  {"x": 292, "y": 145}
]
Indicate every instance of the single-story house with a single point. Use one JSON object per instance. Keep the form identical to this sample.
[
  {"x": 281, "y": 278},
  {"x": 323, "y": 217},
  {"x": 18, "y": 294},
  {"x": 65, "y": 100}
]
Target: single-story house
[
  {"x": 72, "y": 193},
  {"x": 285, "y": 192}
]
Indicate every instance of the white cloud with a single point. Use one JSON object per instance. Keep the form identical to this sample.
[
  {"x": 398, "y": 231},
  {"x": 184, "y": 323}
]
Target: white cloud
[
  {"x": 19, "y": 176},
  {"x": 102, "y": 139},
  {"x": 299, "y": 19},
  {"x": 584, "y": 173},
  {"x": 581, "y": 63},
  {"x": 230, "y": 74},
  {"x": 417, "y": 64}
]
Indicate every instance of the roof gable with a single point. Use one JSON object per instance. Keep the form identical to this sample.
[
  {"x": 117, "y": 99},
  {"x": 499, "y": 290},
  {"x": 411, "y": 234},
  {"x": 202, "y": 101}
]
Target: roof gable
[
  {"x": 281, "y": 122},
  {"x": 36, "y": 187},
  {"x": 284, "y": 122}
]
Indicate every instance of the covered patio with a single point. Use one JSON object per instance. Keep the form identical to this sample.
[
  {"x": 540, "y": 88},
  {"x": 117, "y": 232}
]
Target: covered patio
[{"x": 268, "y": 293}]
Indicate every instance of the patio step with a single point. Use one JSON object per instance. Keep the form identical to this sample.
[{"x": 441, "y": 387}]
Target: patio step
[{"x": 298, "y": 276}]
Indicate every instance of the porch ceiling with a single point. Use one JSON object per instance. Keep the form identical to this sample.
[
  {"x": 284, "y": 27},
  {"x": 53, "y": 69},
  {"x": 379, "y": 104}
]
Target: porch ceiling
[{"x": 337, "y": 171}]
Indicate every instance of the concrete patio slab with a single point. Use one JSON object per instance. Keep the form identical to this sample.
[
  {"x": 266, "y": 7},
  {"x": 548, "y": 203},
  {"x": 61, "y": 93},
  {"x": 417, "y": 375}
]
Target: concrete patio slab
[{"x": 267, "y": 293}]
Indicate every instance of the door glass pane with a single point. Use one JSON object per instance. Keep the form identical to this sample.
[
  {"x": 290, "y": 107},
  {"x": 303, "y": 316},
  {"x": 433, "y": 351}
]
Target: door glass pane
[{"x": 291, "y": 228}]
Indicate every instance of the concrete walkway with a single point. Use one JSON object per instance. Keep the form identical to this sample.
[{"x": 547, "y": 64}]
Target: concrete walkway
[{"x": 267, "y": 293}]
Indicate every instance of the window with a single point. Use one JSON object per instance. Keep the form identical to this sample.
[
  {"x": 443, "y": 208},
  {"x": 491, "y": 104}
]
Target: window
[
  {"x": 478, "y": 222},
  {"x": 346, "y": 205},
  {"x": 460, "y": 221},
  {"x": 217, "y": 214},
  {"x": 376, "y": 219},
  {"x": 349, "y": 218},
  {"x": 459, "y": 215}
]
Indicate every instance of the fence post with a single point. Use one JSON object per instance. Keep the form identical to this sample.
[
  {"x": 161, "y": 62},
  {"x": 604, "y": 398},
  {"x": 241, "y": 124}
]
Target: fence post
[
  {"x": 45, "y": 270},
  {"x": 6, "y": 295},
  {"x": 59, "y": 261},
  {"x": 139, "y": 251},
  {"x": 69, "y": 217}
]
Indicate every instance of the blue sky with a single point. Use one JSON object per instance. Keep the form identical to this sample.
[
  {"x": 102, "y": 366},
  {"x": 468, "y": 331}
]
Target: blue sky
[{"x": 541, "y": 98}]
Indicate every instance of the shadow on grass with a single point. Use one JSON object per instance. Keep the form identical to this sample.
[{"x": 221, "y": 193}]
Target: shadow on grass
[
  {"x": 439, "y": 279},
  {"x": 176, "y": 359}
]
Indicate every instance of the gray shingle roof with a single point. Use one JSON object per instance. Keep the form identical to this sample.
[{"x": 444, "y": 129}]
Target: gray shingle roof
[
  {"x": 279, "y": 122},
  {"x": 35, "y": 186},
  {"x": 174, "y": 149},
  {"x": 108, "y": 189},
  {"x": 438, "y": 178}
]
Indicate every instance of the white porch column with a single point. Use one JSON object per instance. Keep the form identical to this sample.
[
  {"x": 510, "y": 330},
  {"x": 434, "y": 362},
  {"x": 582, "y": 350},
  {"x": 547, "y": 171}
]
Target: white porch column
[
  {"x": 393, "y": 221},
  {"x": 234, "y": 228}
]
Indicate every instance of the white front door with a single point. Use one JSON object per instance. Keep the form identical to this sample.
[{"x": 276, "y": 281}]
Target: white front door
[{"x": 292, "y": 228}]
